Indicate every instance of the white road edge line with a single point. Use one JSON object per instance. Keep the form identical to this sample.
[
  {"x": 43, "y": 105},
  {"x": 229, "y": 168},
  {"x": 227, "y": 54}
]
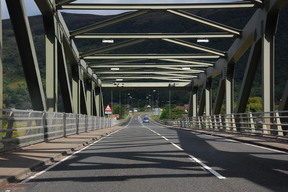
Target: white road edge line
[
  {"x": 62, "y": 160},
  {"x": 215, "y": 173},
  {"x": 207, "y": 167}
]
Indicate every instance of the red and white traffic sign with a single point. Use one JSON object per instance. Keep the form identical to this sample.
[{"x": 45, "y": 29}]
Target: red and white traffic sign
[{"x": 108, "y": 109}]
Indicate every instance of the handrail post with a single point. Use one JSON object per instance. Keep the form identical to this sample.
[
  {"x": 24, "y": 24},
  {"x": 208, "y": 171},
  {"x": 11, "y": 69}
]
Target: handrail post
[
  {"x": 279, "y": 125},
  {"x": 77, "y": 123},
  {"x": 252, "y": 125},
  {"x": 215, "y": 123},
  {"x": 220, "y": 123},
  {"x": 64, "y": 125},
  {"x": 234, "y": 128},
  {"x": 266, "y": 124}
]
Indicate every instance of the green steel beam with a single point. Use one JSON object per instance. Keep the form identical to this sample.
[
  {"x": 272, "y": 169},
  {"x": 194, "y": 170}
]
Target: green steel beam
[
  {"x": 63, "y": 2},
  {"x": 268, "y": 61},
  {"x": 97, "y": 102},
  {"x": 46, "y": 7},
  {"x": 27, "y": 53},
  {"x": 205, "y": 22},
  {"x": 1, "y": 73},
  {"x": 113, "y": 47},
  {"x": 201, "y": 107},
  {"x": 108, "y": 22},
  {"x": 153, "y": 56},
  {"x": 95, "y": 6},
  {"x": 83, "y": 98},
  {"x": 248, "y": 78},
  {"x": 150, "y": 72},
  {"x": 148, "y": 85},
  {"x": 76, "y": 90},
  {"x": 229, "y": 86},
  {"x": 166, "y": 78},
  {"x": 193, "y": 62},
  {"x": 207, "y": 35},
  {"x": 64, "y": 80},
  {"x": 192, "y": 112},
  {"x": 208, "y": 97},
  {"x": 283, "y": 105},
  {"x": 146, "y": 65},
  {"x": 194, "y": 46},
  {"x": 220, "y": 97},
  {"x": 51, "y": 58}
]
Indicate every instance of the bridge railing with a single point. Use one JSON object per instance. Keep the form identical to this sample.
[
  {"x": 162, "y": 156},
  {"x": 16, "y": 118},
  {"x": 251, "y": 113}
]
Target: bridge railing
[
  {"x": 20, "y": 128},
  {"x": 271, "y": 123}
]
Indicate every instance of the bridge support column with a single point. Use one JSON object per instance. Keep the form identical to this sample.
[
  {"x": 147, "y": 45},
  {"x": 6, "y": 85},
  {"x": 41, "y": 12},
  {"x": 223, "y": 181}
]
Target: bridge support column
[
  {"x": 268, "y": 61},
  {"x": 229, "y": 85},
  {"x": 208, "y": 97},
  {"x": 99, "y": 102},
  {"x": 51, "y": 63},
  {"x": 1, "y": 73},
  {"x": 83, "y": 99},
  {"x": 27, "y": 52},
  {"x": 252, "y": 64},
  {"x": 76, "y": 90},
  {"x": 89, "y": 97},
  {"x": 193, "y": 103},
  {"x": 283, "y": 105},
  {"x": 205, "y": 101},
  {"x": 64, "y": 79}
]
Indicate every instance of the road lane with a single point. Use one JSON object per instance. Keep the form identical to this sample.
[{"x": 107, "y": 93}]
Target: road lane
[{"x": 139, "y": 158}]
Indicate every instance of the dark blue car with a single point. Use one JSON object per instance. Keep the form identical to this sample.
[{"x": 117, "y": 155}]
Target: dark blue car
[{"x": 145, "y": 120}]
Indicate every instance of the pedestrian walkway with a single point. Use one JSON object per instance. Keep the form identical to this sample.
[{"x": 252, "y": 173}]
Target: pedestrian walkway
[{"x": 18, "y": 164}]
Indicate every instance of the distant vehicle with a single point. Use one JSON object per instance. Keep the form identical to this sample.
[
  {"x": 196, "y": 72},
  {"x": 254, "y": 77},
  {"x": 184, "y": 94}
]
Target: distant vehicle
[{"x": 145, "y": 120}]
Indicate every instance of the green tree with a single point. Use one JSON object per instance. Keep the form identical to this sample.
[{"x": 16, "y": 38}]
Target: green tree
[
  {"x": 175, "y": 113},
  {"x": 117, "y": 109},
  {"x": 254, "y": 104}
]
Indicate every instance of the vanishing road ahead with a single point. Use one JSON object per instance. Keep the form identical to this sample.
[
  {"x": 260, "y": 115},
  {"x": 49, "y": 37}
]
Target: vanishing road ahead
[{"x": 148, "y": 157}]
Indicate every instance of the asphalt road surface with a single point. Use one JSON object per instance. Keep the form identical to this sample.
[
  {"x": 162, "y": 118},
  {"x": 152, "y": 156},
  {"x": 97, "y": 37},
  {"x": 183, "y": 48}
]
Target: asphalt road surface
[{"x": 148, "y": 157}]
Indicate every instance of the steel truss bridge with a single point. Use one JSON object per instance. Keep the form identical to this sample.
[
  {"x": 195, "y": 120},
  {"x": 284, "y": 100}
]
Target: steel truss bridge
[{"x": 91, "y": 70}]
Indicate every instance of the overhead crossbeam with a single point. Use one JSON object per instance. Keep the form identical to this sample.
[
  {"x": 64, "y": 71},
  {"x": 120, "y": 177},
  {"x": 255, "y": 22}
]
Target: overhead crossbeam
[
  {"x": 63, "y": 2},
  {"x": 113, "y": 47},
  {"x": 218, "y": 5},
  {"x": 143, "y": 77},
  {"x": 194, "y": 46},
  {"x": 145, "y": 65},
  {"x": 189, "y": 62},
  {"x": 153, "y": 56},
  {"x": 154, "y": 35},
  {"x": 204, "y": 21},
  {"x": 150, "y": 72},
  {"x": 109, "y": 22}
]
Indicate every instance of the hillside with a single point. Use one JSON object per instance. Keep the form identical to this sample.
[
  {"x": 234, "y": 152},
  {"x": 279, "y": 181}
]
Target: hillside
[{"x": 15, "y": 91}]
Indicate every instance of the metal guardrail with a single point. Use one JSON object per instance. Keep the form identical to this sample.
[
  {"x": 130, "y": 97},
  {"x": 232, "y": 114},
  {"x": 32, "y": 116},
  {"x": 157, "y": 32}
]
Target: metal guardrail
[
  {"x": 20, "y": 128},
  {"x": 271, "y": 123}
]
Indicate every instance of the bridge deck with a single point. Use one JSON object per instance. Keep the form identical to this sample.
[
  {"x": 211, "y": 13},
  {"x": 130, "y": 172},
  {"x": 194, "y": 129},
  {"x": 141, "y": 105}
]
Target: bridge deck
[{"x": 18, "y": 164}]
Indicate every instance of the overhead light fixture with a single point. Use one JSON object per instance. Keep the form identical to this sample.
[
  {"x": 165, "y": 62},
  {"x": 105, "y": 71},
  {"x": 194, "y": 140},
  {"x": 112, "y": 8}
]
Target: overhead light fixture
[
  {"x": 202, "y": 40},
  {"x": 115, "y": 69},
  {"x": 119, "y": 79},
  {"x": 186, "y": 68},
  {"x": 107, "y": 41},
  {"x": 175, "y": 79}
]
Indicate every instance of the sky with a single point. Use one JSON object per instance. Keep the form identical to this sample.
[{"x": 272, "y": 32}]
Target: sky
[{"x": 33, "y": 10}]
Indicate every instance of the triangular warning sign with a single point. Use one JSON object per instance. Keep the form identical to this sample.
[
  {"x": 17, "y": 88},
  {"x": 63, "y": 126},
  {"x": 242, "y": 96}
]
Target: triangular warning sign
[{"x": 108, "y": 108}]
